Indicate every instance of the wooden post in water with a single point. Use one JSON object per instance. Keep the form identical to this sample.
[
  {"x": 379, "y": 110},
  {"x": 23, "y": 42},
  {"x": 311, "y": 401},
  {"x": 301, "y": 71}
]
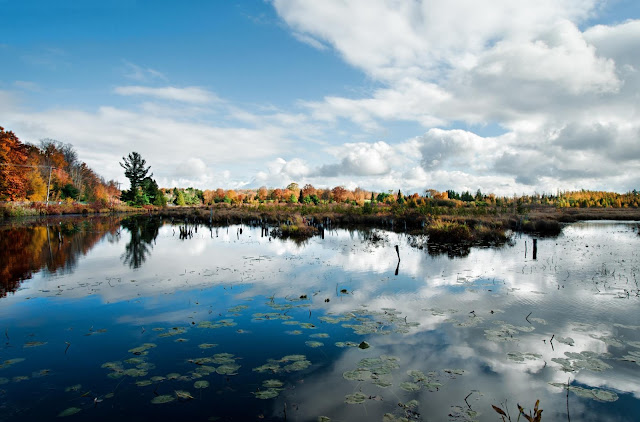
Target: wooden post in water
[{"x": 535, "y": 249}]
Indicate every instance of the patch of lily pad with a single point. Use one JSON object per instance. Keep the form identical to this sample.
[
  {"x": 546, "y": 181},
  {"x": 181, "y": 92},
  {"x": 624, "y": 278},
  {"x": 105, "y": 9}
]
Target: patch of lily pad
[{"x": 589, "y": 393}]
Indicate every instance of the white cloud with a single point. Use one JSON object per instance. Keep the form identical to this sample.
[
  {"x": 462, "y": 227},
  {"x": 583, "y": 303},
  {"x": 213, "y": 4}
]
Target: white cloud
[
  {"x": 190, "y": 94},
  {"x": 360, "y": 159}
]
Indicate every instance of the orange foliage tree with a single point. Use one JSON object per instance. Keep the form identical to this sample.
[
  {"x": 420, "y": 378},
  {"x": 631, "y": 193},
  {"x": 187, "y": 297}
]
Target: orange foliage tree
[{"x": 13, "y": 158}]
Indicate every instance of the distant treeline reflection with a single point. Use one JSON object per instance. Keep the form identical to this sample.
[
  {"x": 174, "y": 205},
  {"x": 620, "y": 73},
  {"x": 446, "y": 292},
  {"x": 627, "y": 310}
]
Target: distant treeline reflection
[{"x": 52, "y": 246}]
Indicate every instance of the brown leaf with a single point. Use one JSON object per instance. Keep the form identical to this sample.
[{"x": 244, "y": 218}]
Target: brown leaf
[{"x": 498, "y": 410}]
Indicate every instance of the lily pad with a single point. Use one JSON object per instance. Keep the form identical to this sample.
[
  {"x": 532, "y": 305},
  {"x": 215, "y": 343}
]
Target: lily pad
[
  {"x": 183, "y": 395},
  {"x": 410, "y": 386},
  {"x": 228, "y": 369},
  {"x": 272, "y": 383},
  {"x": 207, "y": 345},
  {"x": 201, "y": 384},
  {"x": 163, "y": 399},
  {"x": 34, "y": 343},
  {"x": 314, "y": 344},
  {"x": 69, "y": 411},
  {"x": 267, "y": 394},
  {"x": 356, "y": 398}
]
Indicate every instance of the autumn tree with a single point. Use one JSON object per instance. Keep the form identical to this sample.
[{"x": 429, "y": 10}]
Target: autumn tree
[
  {"x": 13, "y": 157},
  {"x": 262, "y": 193},
  {"x": 339, "y": 193}
]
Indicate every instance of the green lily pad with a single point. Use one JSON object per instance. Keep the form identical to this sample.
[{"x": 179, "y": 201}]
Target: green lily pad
[
  {"x": 163, "y": 399},
  {"x": 201, "y": 384},
  {"x": 356, "y": 398},
  {"x": 272, "y": 383},
  {"x": 207, "y": 345},
  {"x": 267, "y": 394},
  {"x": 183, "y": 395},
  {"x": 228, "y": 369},
  {"x": 314, "y": 344},
  {"x": 410, "y": 386}
]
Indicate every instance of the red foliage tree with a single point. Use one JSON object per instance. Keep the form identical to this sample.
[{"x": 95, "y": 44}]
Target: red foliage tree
[{"x": 13, "y": 177}]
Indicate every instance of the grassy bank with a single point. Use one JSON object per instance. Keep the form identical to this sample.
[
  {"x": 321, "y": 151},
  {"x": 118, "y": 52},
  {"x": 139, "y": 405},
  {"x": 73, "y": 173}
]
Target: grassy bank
[{"x": 9, "y": 210}]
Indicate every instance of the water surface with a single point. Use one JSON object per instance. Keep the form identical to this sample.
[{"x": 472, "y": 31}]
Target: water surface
[{"x": 105, "y": 318}]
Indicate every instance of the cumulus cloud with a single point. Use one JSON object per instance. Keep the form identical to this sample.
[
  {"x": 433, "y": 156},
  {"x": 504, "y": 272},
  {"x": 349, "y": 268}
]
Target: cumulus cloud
[
  {"x": 190, "y": 94},
  {"x": 360, "y": 159}
]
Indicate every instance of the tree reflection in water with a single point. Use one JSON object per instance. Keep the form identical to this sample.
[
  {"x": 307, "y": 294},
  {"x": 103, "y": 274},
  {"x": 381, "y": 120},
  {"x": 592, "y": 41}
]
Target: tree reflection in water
[
  {"x": 51, "y": 244},
  {"x": 144, "y": 231}
]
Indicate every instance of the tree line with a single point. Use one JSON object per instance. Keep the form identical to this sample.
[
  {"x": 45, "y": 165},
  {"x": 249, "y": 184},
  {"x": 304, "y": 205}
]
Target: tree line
[{"x": 50, "y": 171}]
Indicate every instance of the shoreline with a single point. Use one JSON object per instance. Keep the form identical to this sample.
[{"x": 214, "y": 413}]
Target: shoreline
[{"x": 470, "y": 225}]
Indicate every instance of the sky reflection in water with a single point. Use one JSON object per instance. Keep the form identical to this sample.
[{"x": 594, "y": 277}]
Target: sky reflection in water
[{"x": 461, "y": 322}]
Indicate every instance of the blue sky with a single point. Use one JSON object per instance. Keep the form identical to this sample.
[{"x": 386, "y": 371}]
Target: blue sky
[{"x": 492, "y": 95}]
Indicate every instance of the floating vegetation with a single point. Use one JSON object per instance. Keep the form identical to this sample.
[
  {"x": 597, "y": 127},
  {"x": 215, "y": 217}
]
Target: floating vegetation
[
  {"x": 267, "y": 394},
  {"x": 454, "y": 371},
  {"x": 73, "y": 388},
  {"x": 589, "y": 393},
  {"x": 375, "y": 370},
  {"x": 201, "y": 384},
  {"x": 9, "y": 362},
  {"x": 314, "y": 344},
  {"x": 294, "y": 332},
  {"x": 583, "y": 360},
  {"x": 163, "y": 399},
  {"x": 260, "y": 316},
  {"x": 429, "y": 381},
  {"x": 521, "y": 357},
  {"x": 228, "y": 369},
  {"x": 356, "y": 398},
  {"x": 68, "y": 412},
  {"x": 565, "y": 340},
  {"x": 272, "y": 383},
  {"x": 181, "y": 340},
  {"x": 219, "y": 324},
  {"x": 363, "y": 345},
  {"x": 20, "y": 378},
  {"x": 632, "y": 356},
  {"x": 506, "y": 332},
  {"x": 143, "y": 383},
  {"x": 410, "y": 386},
  {"x": 238, "y": 308},
  {"x": 183, "y": 395},
  {"x": 175, "y": 331},
  {"x": 142, "y": 349},
  {"x": 34, "y": 343},
  {"x": 207, "y": 345},
  {"x": 462, "y": 414},
  {"x": 298, "y": 363},
  {"x": 343, "y": 344},
  {"x": 610, "y": 341},
  {"x": 319, "y": 335}
]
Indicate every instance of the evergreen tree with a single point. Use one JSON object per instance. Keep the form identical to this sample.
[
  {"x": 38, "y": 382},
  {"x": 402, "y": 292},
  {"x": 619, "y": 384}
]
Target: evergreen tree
[{"x": 135, "y": 171}]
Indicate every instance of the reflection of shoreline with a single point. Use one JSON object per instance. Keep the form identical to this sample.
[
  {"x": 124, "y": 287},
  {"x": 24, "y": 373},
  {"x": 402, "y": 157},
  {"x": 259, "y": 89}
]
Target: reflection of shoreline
[{"x": 54, "y": 246}]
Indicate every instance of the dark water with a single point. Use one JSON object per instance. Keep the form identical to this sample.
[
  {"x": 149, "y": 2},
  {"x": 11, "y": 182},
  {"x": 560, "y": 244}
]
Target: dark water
[{"x": 104, "y": 319}]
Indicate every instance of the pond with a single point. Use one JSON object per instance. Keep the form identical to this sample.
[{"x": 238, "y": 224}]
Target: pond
[{"x": 140, "y": 319}]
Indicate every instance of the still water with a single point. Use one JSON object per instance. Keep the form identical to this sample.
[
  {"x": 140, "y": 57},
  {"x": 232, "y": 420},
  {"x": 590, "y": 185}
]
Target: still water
[{"x": 105, "y": 318}]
